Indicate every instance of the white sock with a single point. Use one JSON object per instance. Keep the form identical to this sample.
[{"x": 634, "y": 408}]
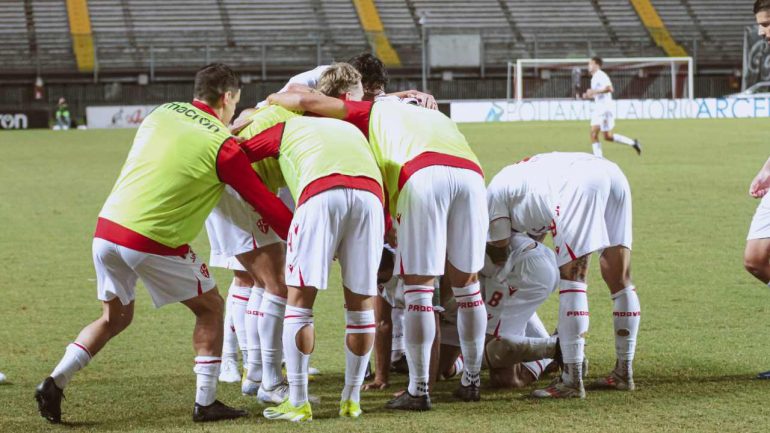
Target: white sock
[
  {"x": 597, "y": 149},
  {"x": 206, "y": 371},
  {"x": 76, "y": 357},
  {"x": 535, "y": 327},
  {"x": 471, "y": 326},
  {"x": 537, "y": 367},
  {"x": 622, "y": 139},
  {"x": 357, "y": 322},
  {"x": 271, "y": 311},
  {"x": 573, "y": 320},
  {"x": 296, "y": 362},
  {"x": 240, "y": 297},
  {"x": 626, "y": 316},
  {"x": 254, "y": 372},
  {"x": 419, "y": 332},
  {"x": 397, "y": 318},
  {"x": 230, "y": 342}
]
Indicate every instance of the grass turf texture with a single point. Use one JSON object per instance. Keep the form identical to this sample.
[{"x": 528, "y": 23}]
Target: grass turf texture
[{"x": 703, "y": 333}]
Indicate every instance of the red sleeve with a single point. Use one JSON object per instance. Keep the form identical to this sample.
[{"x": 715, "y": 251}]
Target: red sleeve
[
  {"x": 234, "y": 169},
  {"x": 266, "y": 144},
  {"x": 358, "y": 113}
]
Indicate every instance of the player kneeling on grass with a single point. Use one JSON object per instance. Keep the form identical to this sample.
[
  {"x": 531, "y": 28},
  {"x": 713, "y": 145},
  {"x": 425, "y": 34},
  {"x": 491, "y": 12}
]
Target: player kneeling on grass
[
  {"x": 176, "y": 170},
  {"x": 586, "y": 202},
  {"x": 235, "y": 229},
  {"x": 515, "y": 285},
  {"x": 334, "y": 179},
  {"x": 436, "y": 190}
]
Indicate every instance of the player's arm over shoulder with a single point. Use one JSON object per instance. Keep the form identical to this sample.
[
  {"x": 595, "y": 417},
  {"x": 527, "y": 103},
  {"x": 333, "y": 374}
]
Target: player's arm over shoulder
[{"x": 310, "y": 102}]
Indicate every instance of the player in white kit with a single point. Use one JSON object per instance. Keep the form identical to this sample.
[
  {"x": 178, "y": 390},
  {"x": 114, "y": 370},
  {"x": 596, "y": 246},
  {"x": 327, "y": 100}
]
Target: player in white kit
[
  {"x": 515, "y": 284},
  {"x": 589, "y": 202},
  {"x": 603, "y": 117},
  {"x": 756, "y": 257},
  {"x": 515, "y": 287}
]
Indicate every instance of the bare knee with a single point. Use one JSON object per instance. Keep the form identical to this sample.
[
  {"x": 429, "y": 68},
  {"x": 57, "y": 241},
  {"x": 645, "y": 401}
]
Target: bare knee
[
  {"x": 608, "y": 136},
  {"x": 755, "y": 263}
]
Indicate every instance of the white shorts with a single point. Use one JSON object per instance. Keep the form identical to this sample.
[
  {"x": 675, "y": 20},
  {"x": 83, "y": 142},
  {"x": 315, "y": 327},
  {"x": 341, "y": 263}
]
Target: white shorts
[
  {"x": 760, "y": 224},
  {"x": 511, "y": 303},
  {"x": 604, "y": 120},
  {"x": 594, "y": 210},
  {"x": 235, "y": 228},
  {"x": 219, "y": 260},
  {"x": 168, "y": 278},
  {"x": 392, "y": 292},
  {"x": 344, "y": 223},
  {"x": 442, "y": 214}
]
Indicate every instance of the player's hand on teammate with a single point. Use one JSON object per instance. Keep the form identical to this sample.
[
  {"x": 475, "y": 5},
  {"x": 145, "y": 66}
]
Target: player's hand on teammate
[
  {"x": 391, "y": 238},
  {"x": 760, "y": 184},
  {"x": 376, "y": 385},
  {"x": 426, "y": 100}
]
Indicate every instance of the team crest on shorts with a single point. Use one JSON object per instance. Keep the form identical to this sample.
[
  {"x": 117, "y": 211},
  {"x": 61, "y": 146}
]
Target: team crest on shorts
[
  {"x": 262, "y": 226},
  {"x": 205, "y": 270}
]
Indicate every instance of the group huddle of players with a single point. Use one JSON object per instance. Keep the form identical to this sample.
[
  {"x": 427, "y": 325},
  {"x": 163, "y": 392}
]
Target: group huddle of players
[{"x": 389, "y": 187}]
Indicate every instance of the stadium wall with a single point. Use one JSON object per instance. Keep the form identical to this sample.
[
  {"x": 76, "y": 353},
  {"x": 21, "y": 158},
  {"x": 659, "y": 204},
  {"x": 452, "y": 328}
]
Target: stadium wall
[{"x": 20, "y": 96}]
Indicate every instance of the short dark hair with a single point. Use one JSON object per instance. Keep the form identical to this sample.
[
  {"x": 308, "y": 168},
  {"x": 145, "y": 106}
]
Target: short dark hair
[
  {"x": 373, "y": 73},
  {"x": 761, "y": 5},
  {"x": 598, "y": 60},
  {"x": 214, "y": 80}
]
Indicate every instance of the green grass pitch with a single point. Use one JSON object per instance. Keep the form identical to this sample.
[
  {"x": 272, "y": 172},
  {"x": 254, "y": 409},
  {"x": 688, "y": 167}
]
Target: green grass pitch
[{"x": 703, "y": 335}]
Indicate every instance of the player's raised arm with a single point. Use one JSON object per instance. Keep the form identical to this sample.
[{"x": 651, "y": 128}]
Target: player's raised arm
[{"x": 234, "y": 169}]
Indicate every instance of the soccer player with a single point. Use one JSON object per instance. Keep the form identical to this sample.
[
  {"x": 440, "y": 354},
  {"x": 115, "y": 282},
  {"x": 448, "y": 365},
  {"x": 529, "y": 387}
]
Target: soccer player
[
  {"x": 603, "y": 118},
  {"x": 756, "y": 257},
  {"x": 515, "y": 286},
  {"x": 586, "y": 202},
  {"x": 435, "y": 189},
  {"x": 335, "y": 181},
  {"x": 374, "y": 79},
  {"x": 239, "y": 234},
  {"x": 176, "y": 170}
]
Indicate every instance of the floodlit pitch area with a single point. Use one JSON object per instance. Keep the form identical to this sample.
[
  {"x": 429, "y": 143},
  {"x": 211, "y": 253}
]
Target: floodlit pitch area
[{"x": 703, "y": 335}]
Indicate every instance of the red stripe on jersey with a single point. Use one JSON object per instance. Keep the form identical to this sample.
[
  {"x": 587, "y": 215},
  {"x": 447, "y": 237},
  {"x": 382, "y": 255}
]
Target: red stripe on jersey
[
  {"x": 200, "y": 288},
  {"x": 337, "y": 180},
  {"x": 297, "y": 317},
  {"x": 569, "y": 250},
  {"x": 471, "y": 294},
  {"x": 428, "y": 159},
  {"x": 242, "y": 298},
  {"x": 125, "y": 237}
]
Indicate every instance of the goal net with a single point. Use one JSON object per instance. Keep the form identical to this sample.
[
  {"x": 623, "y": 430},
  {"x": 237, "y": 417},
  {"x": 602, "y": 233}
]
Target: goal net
[{"x": 632, "y": 78}]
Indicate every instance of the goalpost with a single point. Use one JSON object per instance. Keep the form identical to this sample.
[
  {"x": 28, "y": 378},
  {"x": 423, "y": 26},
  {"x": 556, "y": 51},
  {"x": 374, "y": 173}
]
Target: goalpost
[{"x": 635, "y": 77}]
